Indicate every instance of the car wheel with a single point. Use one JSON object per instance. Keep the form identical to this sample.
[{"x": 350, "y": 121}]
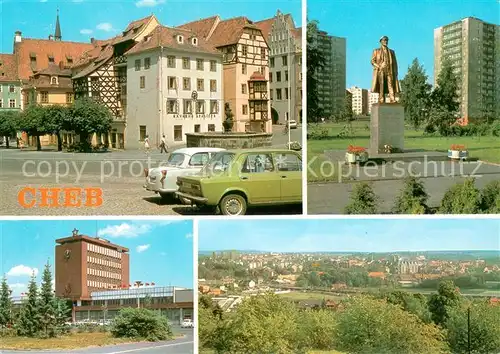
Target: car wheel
[
  {"x": 185, "y": 201},
  {"x": 233, "y": 204}
]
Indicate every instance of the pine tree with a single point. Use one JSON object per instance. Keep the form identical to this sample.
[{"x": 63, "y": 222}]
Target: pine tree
[
  {"x": 315, "y": 62},
  {"x": 363, "y": 200},
  {"x": 415, "y": 95},
  {"x": 28, "y": 324},
  {"x": 47, "y": 304},
  {"x": 5, "y": 304},
  {"x": 412, "y": 198}
]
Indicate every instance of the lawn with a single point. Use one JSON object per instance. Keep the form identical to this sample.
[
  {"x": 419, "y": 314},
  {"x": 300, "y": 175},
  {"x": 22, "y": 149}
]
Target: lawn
[
  {"x": 304, "y": 296},
  {"x": 73, "y": 341},
  {"x": 486, "y": 148},
  {"x": 209, "y": 351}
]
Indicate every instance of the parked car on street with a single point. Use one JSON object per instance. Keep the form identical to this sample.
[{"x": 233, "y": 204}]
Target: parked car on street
[
  {"x": 234, "y": 180},
  {"x": 292, "y": 124},
  {"x": 182, "y": 162},
  {"x": 187, "y": 323}
]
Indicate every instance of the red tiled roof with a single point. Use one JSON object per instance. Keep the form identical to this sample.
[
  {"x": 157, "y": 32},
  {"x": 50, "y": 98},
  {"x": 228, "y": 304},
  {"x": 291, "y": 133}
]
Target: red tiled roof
[
  {"x": 265, "y": 26},
  {"x": 8, "y": 68},
  {"x": 54, "y": 70},
  {"x": 297, "y": 33},
  {"x": 226, "y": 32},
  {"x": 42, "y": 48},
  {"x": 257, "y": 76},
  {"x": 201, "y": 27},
  {"x": 167, "y": 37},
  {"x": 133, "y": 29}
]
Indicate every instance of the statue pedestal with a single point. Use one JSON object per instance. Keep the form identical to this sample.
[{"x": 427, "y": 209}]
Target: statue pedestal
[{"x": 387, "y": 126}]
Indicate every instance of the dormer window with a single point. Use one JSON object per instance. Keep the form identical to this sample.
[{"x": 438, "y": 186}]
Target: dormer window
[
  {"x": 51, "y": 58},
  {"x": 194, "y": 41},
  {"x": 180, "y": 39},
  {"x": 53, "y": 80}
]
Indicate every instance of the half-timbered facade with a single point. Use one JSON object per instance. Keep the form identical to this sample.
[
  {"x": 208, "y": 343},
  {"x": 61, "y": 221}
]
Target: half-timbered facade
[
  {"x": 285, "y": 67},
  {"x": 244, "y": 52},
  {"x": 101, "y": 74},
  {"x": 174, "y": 84}
]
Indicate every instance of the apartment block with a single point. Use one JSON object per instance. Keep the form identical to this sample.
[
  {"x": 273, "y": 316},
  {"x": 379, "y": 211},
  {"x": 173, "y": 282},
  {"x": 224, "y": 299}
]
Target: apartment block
[
  {"x": 473, "y": 47},
  {"x": 359, "y": 100}
]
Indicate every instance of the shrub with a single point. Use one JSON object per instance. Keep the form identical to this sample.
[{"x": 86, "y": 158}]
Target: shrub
[
  {"x": 363, "y": 200},
  {"x": 141, "y": 323},
  {"x": 412, "y": 198},
  {"x": 462, "y": 198},
  {"x": 490, "y": 197},
  {"x": 317, "y": 133}
]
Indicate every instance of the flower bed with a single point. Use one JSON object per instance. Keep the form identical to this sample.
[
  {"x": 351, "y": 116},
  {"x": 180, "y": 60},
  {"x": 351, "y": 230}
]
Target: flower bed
[
  {"x": 356, "y": 154},
  {"x": 458, "y": 152}
]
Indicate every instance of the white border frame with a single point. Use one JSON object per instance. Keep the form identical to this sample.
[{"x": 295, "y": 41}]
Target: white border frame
[{"x": 304, "y": 107}]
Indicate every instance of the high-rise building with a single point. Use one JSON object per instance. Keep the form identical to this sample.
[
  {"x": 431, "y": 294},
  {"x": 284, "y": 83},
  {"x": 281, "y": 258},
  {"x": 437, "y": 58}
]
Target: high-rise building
[
  {"x": 332, "y": 77},
  {"x": 285, "y": 66},
  {"x": 85, "y": 264},
  {"x": 372, "y": 99},
  {"x": 473, "y": 47},
  {"x": 359, "y": 100}
]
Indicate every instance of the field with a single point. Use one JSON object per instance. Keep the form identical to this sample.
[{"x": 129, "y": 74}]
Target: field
[
  {"x": 304, "y": 296},
  {"x": 73, "y": 341},
  {"x": 486, "y": 148}
]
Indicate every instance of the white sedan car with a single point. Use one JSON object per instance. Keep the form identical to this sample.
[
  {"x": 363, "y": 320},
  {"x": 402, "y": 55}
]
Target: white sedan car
[
  {"x": 182, "y": 162},
  {"x": 187, "y": 323}
]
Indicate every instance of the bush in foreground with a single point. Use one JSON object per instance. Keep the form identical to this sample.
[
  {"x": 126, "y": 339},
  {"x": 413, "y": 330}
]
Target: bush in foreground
[
  {"x": 363, "y": 200},
  {"x": 141, "y": 323}
]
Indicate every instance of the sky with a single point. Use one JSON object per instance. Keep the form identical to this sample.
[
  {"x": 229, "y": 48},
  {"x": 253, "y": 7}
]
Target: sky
[
  {"x": 82, "y": 19},
  {"x": 160, "y": 251},
  {"x": 349, "y": 235},
  {"x": 409, "y": 24}
]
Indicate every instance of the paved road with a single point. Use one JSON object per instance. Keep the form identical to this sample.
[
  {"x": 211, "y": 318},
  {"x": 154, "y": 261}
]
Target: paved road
[
  {"x": 179, "y": 346},
  {"x": 331, "y": 198},
  {"x": 119, "y": 174}
]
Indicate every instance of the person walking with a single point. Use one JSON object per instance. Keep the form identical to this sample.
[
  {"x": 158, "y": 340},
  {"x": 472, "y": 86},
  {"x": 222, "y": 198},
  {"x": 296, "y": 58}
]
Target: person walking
[
  {"x": 163, "y": 145},
  {"x": 146, "y": 144}
]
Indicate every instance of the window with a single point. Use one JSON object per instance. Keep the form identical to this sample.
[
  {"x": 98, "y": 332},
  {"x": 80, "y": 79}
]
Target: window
[
  {"x": 12, "y": 103},
  {"x": 200, "y": 158},
  {"x": 44, "y": 97},
  {"x": 186, "y": 83},
  {"x": 278, "y": 94},
  {"x": 300, "y": 76},
  {"x": 177, "y": 132},
  {"x": 188, "y": 107},
  {"x": 194, "y": 41},
  {"x": 278, "y": 76},
  {"x": 288, "y": 162},
  {"x": 284, "y": 60},
  {"x": 271, "y": 63},
  {"x": 286, "y": 93},
  {"x": 243, "y": 88},
  {"x": 147, "y": 63},
  {"x": 257, "y": 163},
  {"x": 200, "y": 84},
  {"x": 33, "y": 58},
  {"x": 142, "y": 132},
  {"x": 12, "y": 88},
  {"x": 245, "y": 109},
  {"x": 263, "y": 70},
  {"x": 286, "y": 75},
  {"x": 172, "y": 106},
  {"x": 199, "y": 64},
  {"x": 137, "y": 64},
  {"x": 1, "y": 103},
  {"x": 213, "y": 85},
  {"x": 142, "y": 82},
  {"x": 171, "y": 61},
  {"x": 211, "y": 127},
  {"x": 244, "y": 50},
  {"x": 213, "y": 65},
  {"x": 214, "y": 107},
  {"x": 51, "y": 58},
  {"x": 196, "y": 128},
  {"x": 271, "y": 94},
  {"x": 270, "y": 77},
  {"x": 186, "y": 63},
  {"x": 200, "y": 107},
  {"x": 69, "y": 97},
  {"x": 263, "y": 53},
  {"x": 172, "y": 83},
  {"x": 243, "y": 68}
]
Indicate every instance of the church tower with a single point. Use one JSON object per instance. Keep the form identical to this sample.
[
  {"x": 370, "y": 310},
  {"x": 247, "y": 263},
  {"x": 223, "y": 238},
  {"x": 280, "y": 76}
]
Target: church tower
[{"x": 57, "y": 34}]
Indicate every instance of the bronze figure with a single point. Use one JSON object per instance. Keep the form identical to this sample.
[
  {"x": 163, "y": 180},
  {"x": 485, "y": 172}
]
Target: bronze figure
[{"x": 385, "y": 72}]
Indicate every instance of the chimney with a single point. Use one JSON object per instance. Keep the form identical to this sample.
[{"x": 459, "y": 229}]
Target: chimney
[
  {"x": 92, "y": 40},
  {"x": 50, "y": 37},
  {"x": 17, "y": 37}
]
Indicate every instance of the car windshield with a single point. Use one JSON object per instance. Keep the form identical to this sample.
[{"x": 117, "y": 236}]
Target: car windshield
[
  {"x": 218, "y": 163},
  {"x": 176, "y": 159}
]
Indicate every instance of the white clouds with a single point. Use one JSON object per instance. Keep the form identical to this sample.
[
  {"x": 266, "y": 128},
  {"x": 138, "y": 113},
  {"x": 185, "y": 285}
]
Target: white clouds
[
  {"x": 105, "y": 26},
  {"x": 17, "y": 286},
  {"x": 124, "y": 230},
  {"x": 21, "y": 270},
  {"x": 149, "y": 3},
  {"x": 85, "y": 31},
  {"x": 142, "y": 248}
]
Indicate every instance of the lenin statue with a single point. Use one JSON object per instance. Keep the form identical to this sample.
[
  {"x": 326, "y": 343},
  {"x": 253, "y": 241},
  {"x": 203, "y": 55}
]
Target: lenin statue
[{"x": 385, "y": 72}]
